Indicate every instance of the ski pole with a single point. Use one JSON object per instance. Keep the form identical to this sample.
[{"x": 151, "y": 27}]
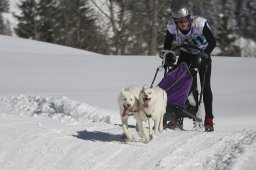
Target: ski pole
[{"x": 157, "y": 70}]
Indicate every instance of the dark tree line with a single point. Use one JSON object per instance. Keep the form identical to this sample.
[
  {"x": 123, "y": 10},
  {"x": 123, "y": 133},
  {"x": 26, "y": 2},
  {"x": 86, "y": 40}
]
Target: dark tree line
[
  {"x": 4, "y": 24},
  {"x": 61, "y": 22},
  {"x": 133, "y": 27}
]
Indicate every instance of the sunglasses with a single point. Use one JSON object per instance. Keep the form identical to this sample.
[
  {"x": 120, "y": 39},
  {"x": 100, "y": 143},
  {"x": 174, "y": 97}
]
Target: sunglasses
[{"x": 181, "y": 20}]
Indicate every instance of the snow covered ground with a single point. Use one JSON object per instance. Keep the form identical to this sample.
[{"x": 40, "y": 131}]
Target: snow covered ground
[{"x": 58, "y": 110}]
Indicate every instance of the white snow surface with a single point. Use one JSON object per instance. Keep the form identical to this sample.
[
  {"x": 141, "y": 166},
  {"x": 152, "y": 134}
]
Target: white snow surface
[{"x": 58, "y": 110}]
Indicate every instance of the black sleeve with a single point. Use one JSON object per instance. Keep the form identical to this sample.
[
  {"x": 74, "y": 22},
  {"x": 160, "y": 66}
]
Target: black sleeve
[
  {"x": 168, "y": 40},
  {"x": 210, "y": 38}
]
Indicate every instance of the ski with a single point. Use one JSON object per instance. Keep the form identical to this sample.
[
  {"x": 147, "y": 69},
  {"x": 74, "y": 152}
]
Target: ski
[{"x": 191, "y": 115}]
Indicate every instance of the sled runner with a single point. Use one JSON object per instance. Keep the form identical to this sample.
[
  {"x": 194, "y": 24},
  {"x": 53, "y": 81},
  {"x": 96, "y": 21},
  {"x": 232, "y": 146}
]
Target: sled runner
[{"x": 180, "y": 84}]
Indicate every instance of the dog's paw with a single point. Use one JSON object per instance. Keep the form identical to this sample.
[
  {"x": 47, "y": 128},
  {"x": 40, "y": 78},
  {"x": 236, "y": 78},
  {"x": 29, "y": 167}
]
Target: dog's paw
[
  {"x": 128, "y": 138},
  {"x": 153, "y": 137},
  {"x": 148, "y": 139},
  {"x": 145, "y": 141},
  {"x": 124, "y": 136}
]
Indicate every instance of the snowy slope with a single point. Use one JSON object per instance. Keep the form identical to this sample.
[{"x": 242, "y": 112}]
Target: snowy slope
[{"x": 58, "y": 110}]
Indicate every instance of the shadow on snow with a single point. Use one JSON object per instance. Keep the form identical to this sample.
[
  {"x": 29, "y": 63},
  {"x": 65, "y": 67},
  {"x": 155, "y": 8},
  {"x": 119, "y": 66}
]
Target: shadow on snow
[{"x": 98, "y": 136}]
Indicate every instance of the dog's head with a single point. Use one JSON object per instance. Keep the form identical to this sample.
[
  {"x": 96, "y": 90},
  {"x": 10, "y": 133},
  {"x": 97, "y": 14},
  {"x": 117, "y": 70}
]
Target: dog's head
[
  {"x": 128, "y": 99},
  {"x": 146, "y": 96}
]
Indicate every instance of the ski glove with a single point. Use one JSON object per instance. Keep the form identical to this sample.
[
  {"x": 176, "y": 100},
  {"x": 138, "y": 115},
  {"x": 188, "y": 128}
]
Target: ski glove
[
  {"x": 170, "y": 59},
  {"x": 203, "y": 55}
]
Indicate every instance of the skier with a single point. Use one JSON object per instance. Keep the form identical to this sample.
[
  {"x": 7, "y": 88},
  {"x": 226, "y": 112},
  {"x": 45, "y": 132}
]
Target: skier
[{"x": 182, "y": 27}]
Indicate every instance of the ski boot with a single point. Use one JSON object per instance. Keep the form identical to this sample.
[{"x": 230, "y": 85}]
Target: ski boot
[
  {"x": 208, "y": 124},
  {"x": 176, "y": 123}
]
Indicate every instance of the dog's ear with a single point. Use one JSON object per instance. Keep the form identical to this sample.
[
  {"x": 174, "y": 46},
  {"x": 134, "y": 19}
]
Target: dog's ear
[
  {"x": 122, "y": 91},
  {"x": 143, "y": 88},
  {"x": 137, "y": 97}
]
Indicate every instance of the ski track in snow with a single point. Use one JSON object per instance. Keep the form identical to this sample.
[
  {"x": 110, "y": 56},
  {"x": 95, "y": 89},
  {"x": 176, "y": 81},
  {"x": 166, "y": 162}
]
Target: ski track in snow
[
  {"x": 209, "y": 150},
  {"x": 59, "y": 133}
]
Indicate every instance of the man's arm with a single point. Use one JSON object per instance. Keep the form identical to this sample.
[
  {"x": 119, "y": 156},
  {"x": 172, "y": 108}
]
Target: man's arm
[
  {"x": 210, "y": 38},
  {"x": 168, "y": 40}
]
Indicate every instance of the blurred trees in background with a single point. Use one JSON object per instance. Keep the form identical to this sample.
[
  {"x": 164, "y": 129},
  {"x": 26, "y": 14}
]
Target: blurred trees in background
[
  {"x": 4, "y": 23},
  {"x": 61, "y": 22},
  {"x": 130, "y": 27}
]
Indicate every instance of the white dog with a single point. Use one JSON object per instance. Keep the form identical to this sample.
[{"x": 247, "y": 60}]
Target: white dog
[
  {"x": 153, "y": 101},
  {"x": 128, "y": 101}
]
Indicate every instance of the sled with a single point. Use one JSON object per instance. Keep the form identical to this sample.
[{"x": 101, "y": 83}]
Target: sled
[
  {"x": 183, "y": 97},
  {"x": 180, "y": 85}
]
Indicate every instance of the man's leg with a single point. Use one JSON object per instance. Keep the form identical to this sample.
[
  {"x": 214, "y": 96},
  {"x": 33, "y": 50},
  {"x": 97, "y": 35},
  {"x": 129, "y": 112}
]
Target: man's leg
[{"x": 205, "y": 75}]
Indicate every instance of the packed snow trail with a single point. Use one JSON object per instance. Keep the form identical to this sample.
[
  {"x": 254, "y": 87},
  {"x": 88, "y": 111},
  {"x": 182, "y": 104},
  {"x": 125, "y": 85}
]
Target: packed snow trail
[{"x": 31, "y": 139}]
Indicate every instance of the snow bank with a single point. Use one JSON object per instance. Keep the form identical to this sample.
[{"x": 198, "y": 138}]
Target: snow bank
[{"x": 61, "y": 108}]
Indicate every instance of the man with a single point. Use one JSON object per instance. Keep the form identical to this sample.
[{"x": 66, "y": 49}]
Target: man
[{"x": 182, "y": 27}]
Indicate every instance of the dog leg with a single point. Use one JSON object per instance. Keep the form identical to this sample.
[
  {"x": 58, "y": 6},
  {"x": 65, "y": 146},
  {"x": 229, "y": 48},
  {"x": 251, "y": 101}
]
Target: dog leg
[
  {"x": 144, "y": 132},
  {"x": 136, "y": 127},
  {"x": 157, "y": 125},
  {"x": 139, "y": 125},
  {"x": 161, "y": 127},
  {"x": 125, "y": 128}
]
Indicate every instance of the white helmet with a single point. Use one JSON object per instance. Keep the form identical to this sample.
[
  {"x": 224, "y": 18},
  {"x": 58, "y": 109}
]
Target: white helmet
[{"x": 179, "y": 10}]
